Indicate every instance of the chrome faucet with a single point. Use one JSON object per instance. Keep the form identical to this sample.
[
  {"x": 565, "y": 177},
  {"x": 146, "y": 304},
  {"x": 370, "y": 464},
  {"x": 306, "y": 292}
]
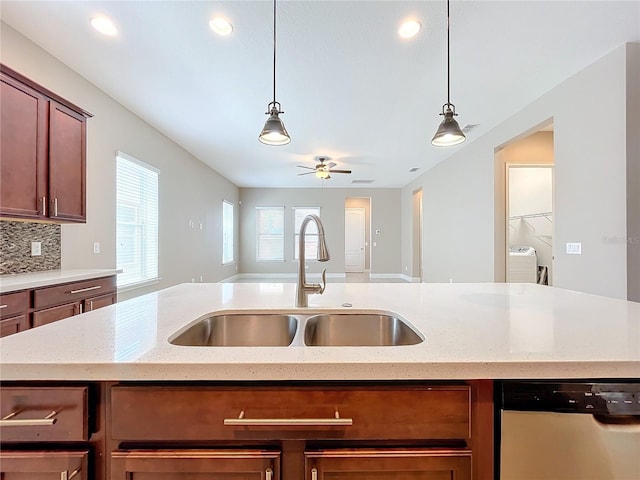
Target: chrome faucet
[{"x": 303, "y": 289}]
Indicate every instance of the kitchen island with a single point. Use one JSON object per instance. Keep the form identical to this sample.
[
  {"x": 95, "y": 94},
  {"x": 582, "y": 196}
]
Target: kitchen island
[{"x": 163, "y": 407}]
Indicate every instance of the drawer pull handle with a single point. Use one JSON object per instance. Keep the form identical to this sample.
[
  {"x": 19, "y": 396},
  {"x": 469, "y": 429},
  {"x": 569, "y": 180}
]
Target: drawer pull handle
[
  {"x": 8, "y": 421},
  {"x": 44, "y": 206},
  {"x": 55, "y": 207},
  {"x": 68, "y": 476},
  {"x": 287, "y": 422},
  {"x": 3, "y": 306},
  {"x": 88, "y": 289},
  {"x": 314, "y": 474},
  {"x": 268, "y": 474}
]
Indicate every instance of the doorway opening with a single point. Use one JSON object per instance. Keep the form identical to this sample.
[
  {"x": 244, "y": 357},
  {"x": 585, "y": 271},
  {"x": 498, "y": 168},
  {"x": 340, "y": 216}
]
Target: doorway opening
[
  {"x": 416, "y": 235},
  {"x": 524, "y": 208},
  {"x": 357, "y": 235}
]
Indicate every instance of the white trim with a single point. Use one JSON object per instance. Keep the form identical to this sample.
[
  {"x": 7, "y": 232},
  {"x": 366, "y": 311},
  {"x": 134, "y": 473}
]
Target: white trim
[
  {"x": 139, "y": 162},
  {"x": 230, "y": 279},
  {"x": 385, "y": 275},
  {"x": 278, "y": 275},
  {"x": 409, "y": 279},
  {"x": 133, "y": 286}
]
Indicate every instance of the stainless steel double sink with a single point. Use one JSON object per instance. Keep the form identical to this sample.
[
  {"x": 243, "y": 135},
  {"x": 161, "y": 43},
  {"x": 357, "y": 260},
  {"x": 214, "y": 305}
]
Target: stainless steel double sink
[{"x": 266, "y": 329}]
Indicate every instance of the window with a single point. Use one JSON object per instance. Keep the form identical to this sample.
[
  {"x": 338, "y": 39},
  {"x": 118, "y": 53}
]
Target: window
[
  {"x": 311, "y": 236},
  {"x": 227, "y": 233},
  {"x": 136, "y": 221},
  {"x": 270, "y": 234}
]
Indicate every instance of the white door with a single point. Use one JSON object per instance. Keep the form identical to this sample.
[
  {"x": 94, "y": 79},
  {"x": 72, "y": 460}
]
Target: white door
[{"x": 354, "y": 239}]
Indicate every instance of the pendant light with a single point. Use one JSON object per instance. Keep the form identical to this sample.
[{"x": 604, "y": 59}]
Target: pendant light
[
  {"x": 274, "y": 132},
  {"x": 449, "y": 132}
]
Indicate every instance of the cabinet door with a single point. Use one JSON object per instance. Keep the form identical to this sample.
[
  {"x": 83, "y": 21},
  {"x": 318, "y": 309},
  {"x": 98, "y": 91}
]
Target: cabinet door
[
  {"x": 67, "y": 150},
  {"x": 374, "y": 464},
  {"x": 23, "y": 149},
  {"x": 94, "y": 303},
  {"x": 191, "y": 464},
  {"x": 43, "y": 465},
  {"x": 11, "y": 325},
  {"x": 55, "y": 313}
]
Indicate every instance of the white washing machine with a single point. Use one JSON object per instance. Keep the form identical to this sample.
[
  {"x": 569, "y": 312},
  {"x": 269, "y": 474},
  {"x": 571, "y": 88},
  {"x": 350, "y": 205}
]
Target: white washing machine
[{"x": 523, "y": 265}]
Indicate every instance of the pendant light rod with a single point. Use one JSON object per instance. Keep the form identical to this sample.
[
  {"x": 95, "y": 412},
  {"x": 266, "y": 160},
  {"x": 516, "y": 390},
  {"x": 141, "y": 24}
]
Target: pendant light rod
[
  {"x": 448, "y": 59},
  {"x": 274, "y": 51}
]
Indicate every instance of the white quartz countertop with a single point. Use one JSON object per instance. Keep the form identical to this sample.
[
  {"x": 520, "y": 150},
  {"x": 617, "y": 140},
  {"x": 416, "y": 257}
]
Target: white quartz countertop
[
  {"x": 471, "y": 331},
  {"x": 23, "y": 281}
]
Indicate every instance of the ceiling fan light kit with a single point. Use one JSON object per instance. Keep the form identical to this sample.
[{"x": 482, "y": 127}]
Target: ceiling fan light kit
[
  {"x": 449, "y": 132},
  {"x": 274, "y": 132},
  {"x": 322, "y": 169}
]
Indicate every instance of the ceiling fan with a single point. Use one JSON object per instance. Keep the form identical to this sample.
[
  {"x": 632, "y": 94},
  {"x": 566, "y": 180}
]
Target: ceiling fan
[{"x": 322, "y": 169}]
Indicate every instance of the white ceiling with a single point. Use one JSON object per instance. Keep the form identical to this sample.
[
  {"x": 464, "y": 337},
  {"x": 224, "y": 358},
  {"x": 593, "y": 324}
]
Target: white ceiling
[{"x": 350, "y": 88}]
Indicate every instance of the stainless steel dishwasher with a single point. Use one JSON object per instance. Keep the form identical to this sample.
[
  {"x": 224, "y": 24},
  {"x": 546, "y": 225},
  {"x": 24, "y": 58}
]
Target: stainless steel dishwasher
[{"x": 569, "y": 430}]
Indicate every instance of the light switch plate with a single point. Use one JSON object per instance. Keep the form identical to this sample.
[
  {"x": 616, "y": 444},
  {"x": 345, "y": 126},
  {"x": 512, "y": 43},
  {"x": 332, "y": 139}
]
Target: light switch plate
[
  {"x": 96, "y": 247},
  {"x": 574, "y": 248}
]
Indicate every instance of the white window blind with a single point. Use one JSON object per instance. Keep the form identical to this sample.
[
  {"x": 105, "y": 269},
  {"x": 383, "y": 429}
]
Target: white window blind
[
  {"x": 136, "y": 221},
  {"x": 270, "y": 234},
  {"x": 227, "y": 232},
  {"x": 311, "y": 235}
]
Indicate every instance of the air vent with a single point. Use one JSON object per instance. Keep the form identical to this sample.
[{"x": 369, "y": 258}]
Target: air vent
[
  {"x": 468, "y": 128},
  {"x": 414, "y": 169},
  {"x": 361, "y": 181}
]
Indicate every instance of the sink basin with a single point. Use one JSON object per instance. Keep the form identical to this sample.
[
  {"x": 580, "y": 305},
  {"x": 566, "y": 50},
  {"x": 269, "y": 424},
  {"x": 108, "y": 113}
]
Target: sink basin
[
  {"x": 358, "y": 330},
  {"x": 240, "y": 330}
]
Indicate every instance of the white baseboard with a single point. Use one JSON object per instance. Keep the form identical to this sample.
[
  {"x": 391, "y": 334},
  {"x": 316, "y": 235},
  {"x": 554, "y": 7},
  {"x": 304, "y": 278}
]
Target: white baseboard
[
  {"x": 276, "y": 276},
  {"x": 386, "y": 275},
  {"x": 409, "y": 279}
]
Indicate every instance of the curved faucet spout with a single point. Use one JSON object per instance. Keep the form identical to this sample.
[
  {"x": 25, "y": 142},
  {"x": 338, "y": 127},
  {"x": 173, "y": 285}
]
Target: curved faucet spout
[{"x": 303, "y": 289}]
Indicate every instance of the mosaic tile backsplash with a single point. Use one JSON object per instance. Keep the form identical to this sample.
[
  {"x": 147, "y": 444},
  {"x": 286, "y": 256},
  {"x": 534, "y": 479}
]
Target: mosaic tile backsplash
[{"x": 15, "y": 247}]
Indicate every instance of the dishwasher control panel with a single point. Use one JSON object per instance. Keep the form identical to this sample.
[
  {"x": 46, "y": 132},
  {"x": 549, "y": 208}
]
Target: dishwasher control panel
[{"x": 598, "y": 398}]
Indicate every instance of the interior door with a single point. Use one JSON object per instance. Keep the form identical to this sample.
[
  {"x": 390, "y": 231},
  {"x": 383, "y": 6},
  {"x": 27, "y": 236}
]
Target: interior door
[{"x": 354, "y": 224}]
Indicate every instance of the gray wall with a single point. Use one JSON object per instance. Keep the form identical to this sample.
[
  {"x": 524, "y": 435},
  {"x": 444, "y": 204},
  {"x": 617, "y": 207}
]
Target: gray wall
[
  {"x": 189, "y": 190},
  {"x": 590, "y": 205},
  {"x": 385, "y": 205}
]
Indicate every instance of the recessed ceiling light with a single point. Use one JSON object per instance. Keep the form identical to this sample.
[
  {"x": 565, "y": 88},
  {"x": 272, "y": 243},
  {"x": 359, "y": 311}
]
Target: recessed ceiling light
[
  {"x": 409, "y": 28},
  {"x": 221, "y": 26},
  {"x": 104, "y": 25}
]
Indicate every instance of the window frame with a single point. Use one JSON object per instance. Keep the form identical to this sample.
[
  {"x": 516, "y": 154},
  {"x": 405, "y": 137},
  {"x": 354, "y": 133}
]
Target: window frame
[
  {"x": 226, "y": 232},
  {"x": 259, "y": 235},
  {"x": 144, "y": 230},
  {"x": 296, "y": 233}
]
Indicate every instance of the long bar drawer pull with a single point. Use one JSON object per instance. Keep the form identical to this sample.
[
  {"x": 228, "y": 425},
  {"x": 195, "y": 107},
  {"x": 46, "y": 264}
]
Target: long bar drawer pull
[
  {"x": 287, "y": 422},
  {"x": 268, "y": 474},
  {"x": 9, "y": 421},
  {"x": 3, "y": 306},
  {"x": 68, "y": 476},
  {"x": 88, "y": 289}
]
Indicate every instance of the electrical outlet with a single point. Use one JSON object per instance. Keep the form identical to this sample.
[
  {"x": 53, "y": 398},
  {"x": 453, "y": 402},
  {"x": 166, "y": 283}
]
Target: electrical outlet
[
  {"x": 96, "y": 247},
  {"x": 36, "y": 249},
  {"x": 574, "y": 248}
]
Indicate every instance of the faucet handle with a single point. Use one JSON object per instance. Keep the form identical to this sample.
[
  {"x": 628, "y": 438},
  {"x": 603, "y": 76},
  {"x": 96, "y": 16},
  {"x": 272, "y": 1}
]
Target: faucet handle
[{"x": 324, "y": 281}]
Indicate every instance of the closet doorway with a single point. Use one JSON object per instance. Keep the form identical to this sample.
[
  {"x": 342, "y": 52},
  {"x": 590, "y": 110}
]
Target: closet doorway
[
  {"x": 524, "y": 216},
  {"x": 530, "y": 219}
]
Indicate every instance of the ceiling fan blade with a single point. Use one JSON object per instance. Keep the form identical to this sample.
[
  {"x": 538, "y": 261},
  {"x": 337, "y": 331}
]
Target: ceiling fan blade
[
  {"x": 339, "y": 171},
  {"x": 304, "y": 166},
  {"x": 306, "y": 173},
  {"x": 332, "y": 164}
]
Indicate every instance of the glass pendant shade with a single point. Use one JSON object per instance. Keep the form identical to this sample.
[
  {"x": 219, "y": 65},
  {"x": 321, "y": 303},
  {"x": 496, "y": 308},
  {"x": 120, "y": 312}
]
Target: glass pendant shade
[
  {"x": 274, "y": 132},
  {"x": 449, "y": 132}
]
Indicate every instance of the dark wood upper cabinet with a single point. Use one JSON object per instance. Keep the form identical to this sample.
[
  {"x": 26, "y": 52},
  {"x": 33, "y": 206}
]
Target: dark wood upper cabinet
[{"x": 42, "y": 153}]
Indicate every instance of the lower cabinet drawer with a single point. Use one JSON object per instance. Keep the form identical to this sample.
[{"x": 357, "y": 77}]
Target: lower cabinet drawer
[
  {"x": 54, "y": 314},
  {"x": 267, "y": 413},
  {"x": 9, "y": 326},
  {"x": 406, "y": 464},
  {"x": 69, "y": 292},
  {"x": 14, "y": 303},
  {"x": 192, "y": 464},
  {"x": 48, "y": 414},
  {"x": 44, "y": 465}
]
